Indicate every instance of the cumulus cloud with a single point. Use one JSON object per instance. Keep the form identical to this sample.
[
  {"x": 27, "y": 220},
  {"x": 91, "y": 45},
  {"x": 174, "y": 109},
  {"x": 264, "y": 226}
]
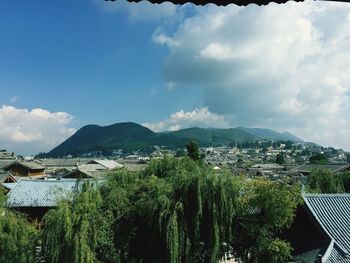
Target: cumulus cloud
[
  {"x": 279, "y": 66},
  {"x": 199, "y": 117},
  {"x": 31, "y": 131}
]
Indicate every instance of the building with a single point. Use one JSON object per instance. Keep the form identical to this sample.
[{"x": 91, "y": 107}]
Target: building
[
  {"x": 36, "y": 197},
  {"x": 30, "y": 169},
  {"x": 56, "y": 165},
  {"x": 306, "y": 169},
  {"x": 321, "y": 229},
  {"x": 107, "y": 164}
]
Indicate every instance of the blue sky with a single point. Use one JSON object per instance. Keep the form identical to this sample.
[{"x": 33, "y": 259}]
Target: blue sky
[
  {"x": 71, "y": 55},
  {"x": 65, "y": 64}
]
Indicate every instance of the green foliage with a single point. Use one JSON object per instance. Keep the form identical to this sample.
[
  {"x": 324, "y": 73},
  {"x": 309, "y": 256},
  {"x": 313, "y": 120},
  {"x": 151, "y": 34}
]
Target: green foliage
[
  {"x": 193, "y": 150},
  {"x": 318, "y": 159},
  {"x": 266, "y": 208},
  {"x": 323, "y": 181},
  {"x": 176, "y": 210},
  {"x": 345, "y": 178},
  {"x": 73, "y": 230},
  {"x": 280, "y": 159},
  {"x": 18, "y": 238},
  {"x": 271, "y": 250}
]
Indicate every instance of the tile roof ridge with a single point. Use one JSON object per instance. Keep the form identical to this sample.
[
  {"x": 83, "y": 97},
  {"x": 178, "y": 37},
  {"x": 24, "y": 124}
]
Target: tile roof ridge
[{"x": 325, "y": 195}]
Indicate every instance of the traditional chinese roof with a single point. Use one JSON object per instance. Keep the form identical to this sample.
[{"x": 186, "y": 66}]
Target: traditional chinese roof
[
  {"x": 44, "y": 193},
  {"x": 332, "y": 213},
  {"x": 4, "y": 163},
  {"x": 60, "y": 162},
  {"x": 217, "y": 2},
  {"x": 31, "y": 165},
  {"x": 108, "y": 164},
  {"x": 40, "y": 193}
]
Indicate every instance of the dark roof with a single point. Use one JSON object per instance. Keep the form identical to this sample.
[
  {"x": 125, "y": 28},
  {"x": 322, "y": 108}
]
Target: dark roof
[
  {"x": 4, "y": 163},
  {"x": 217, "y": 2},
  {"x": 307, "y": 168},
  {"x": 32, "y": 165},
  {"x": 60, "y": 162},
  {"x": 3, "y": 175},
  {"x": 332, "y": 212}
]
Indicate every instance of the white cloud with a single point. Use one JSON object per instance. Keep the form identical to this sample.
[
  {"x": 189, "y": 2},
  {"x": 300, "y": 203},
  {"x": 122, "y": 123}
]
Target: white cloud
[
  {"x": 31, "y": 131},
  {"x": 278, "y": 66},
  {"x": 142, "y": 11},
  {"x": 199, "y": 117}
]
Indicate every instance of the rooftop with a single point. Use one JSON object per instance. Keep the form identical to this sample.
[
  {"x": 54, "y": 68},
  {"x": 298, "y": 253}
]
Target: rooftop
[
  {"x": 32, "y": 165},
  {"x": 332, "y": 212},
  {"x": 332, "y": 167},
  {"x": 42, "y": 193}
]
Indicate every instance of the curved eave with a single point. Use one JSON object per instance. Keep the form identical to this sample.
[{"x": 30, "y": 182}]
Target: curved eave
[
  {"x": 333, "y": 244},
  {"x": 224, "y": 2},
  {"x": 218, "y": 3}
]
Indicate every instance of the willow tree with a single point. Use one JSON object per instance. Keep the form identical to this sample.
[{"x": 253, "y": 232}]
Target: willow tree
[
  {"x": 323, "y": 181},
  {"x": 18, "y": 238},
  {"x": 189, "y": 210},
  {"x": 77, "y": 229}
]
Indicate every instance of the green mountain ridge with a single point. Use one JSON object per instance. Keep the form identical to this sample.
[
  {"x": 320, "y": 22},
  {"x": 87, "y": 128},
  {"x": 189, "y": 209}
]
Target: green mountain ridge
[
  {"x": 131, "y": 136},
  {"x": 271, "y": 134}
]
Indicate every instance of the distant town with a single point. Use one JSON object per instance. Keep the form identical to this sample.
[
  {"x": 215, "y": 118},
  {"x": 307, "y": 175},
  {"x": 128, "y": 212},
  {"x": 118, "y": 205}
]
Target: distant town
[
  {"x": 276, "y": 160},
  {"x": 40, "y": 187}
]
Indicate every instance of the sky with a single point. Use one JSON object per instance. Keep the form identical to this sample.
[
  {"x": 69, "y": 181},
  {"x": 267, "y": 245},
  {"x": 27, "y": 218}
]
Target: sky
[{"x": 65, "y": 64}]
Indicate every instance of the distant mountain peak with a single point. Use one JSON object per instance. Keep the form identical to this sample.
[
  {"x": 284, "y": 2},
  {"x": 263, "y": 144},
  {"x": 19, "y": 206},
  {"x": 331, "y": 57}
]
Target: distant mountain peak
[{"x": 131, "y": 136}]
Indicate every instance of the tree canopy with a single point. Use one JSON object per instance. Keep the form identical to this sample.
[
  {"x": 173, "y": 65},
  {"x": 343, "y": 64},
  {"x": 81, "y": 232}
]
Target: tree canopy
[
  {"x": 176, "y": 210},
  {"x": 18, "y": 238}
]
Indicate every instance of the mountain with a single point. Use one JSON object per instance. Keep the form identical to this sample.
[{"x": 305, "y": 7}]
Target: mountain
[
  {"x": 131, "y": 136},
  {"x": 270, "y": 134},
  {"x": 94, "y": 138}
]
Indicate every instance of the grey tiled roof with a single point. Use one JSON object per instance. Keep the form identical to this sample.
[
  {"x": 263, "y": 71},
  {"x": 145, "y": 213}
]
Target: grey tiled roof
[
  {"x": 40, "y": 193},
  {"x": 332, "y": 212},
  {"x": 337, "y": 256},
  {"x": 4, "y": 163},
  {"x": 60, "y": 162},
  {"x": 44, "y": 193},
  {"x": 32, "y": 165}
]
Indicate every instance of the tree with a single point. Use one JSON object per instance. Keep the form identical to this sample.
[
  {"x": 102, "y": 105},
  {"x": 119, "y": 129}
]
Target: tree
[
  {"x": 323, "y": 181},
  {"x": 265, "y": 209},
  {"x": 345, "y": 178},
  {"x": 280, "y": 159},
  {"x": 318, "y": 158},
  {"x": 193, "y": 150},
  {"x": 77, "y": 230},
  {"x": 176, "y": 210},
  {"x": 18, "y": 238}
]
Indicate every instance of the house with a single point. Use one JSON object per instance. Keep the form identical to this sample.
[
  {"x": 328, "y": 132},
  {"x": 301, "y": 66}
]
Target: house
[
  {"x": 321, "y": 229},
  {"x": 29, "y": 169},
  {"x": 94, "y": 169},
  {"x": 306, "y": 169},
  {"x": 36, "y": 197},
  {"x": 57, "y": 165},
  {"x": 6, "y": 155},
  {"x": 87, "y": 171},
  {"x": 107, "y": 164},
  {"x": 5, "y": 162}
]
